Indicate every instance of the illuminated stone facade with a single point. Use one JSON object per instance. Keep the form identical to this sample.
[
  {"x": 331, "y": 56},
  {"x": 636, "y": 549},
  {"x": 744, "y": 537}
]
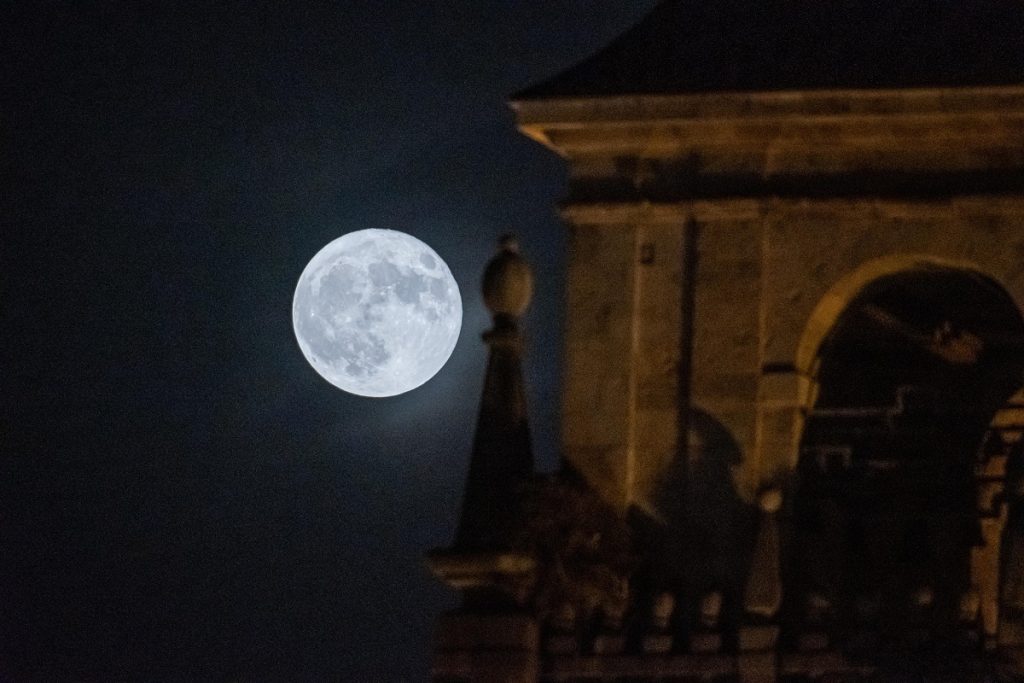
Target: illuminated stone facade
[
  {"x": 772, "y": 211},
  {"x": 719, "y": 244},
  {"x": 793, "y": 364}
]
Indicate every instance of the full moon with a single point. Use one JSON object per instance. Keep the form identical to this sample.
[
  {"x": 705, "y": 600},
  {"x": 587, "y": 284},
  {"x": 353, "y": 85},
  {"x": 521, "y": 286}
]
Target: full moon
[{"x": 377, "y": 312}]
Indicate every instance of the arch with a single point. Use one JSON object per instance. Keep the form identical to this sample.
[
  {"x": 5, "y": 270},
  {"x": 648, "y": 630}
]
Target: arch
[
  {"x": 839, "y": 297},
  {"x": 906, "y": 364}
]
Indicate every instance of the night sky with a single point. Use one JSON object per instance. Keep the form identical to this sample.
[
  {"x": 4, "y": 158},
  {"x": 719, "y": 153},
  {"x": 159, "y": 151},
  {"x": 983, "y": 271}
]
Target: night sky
[{"x": 181, "y": 496}]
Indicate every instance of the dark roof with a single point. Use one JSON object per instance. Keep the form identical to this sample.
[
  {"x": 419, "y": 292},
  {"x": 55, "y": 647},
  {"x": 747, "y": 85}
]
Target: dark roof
[{"x": 748, "y": 45}]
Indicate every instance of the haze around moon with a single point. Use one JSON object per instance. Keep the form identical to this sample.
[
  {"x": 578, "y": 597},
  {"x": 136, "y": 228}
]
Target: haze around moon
[{"x": 377, "y": 312}]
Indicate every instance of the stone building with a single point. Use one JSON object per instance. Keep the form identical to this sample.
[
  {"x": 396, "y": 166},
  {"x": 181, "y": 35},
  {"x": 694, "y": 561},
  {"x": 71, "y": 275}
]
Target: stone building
[{"x": 793, "y": 362}]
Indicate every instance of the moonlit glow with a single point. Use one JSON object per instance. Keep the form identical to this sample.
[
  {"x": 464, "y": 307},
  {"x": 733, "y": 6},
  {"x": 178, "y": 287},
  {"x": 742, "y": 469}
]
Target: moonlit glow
[{"x": 377, "y": 312}]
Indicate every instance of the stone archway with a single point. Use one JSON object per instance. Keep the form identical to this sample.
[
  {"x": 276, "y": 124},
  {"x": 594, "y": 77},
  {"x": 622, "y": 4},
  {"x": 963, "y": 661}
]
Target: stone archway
[
  {"x": 904, "y": 365},
  {"x": 836, "y": 302}
]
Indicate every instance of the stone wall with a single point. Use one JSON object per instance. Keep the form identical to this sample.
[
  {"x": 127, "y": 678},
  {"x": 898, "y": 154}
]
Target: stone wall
[{"x": 716, "y": 238}]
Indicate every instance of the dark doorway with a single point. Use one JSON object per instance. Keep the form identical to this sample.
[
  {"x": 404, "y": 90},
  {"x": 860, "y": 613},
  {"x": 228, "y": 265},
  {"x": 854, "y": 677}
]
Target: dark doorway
[{"x": 907, "y": 382}]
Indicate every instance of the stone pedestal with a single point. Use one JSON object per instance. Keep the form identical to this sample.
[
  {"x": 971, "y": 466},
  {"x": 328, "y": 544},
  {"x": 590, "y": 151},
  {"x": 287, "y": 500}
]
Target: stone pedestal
[
  {"x": 756, "y": 660},
  {"x": 487, "y": 648},
  {"x": 703, "y": 643},
  {"x": 1011, "y": 635},
  {"x": 657, "y": 643},
  {"x": 609, "y": 644}
]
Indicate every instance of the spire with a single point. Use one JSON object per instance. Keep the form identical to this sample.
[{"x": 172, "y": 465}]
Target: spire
[
  {"x": 502, "y": 458},
  {"x": 484, "y": 561}
]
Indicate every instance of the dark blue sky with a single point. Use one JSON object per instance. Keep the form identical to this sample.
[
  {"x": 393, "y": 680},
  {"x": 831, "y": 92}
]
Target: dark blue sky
[{"x": 181, "y": 496}]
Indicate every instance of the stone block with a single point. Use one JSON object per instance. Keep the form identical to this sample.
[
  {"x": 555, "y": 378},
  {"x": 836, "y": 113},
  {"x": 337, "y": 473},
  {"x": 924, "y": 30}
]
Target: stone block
[
  {"x": 657, "y": 643},
  {"x": 502, "y": 648},
  {"x": 756, "y": 667},
  {"x": 753, "y": 638},
  {"x": 457, "y": 630},
  {"x": 703, "y": 643},
  {"x": 609, "y": 644},
  {"x": 486, "y": 666},
  {"x": 778, "y": 388}
]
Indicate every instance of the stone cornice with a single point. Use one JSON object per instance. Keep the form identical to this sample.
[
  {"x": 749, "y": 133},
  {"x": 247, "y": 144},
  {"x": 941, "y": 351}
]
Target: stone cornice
[
  {"x": 719, "y": 210},
  {"x": 771, "y": 134},
  {"x": 572, "y": 112},
  {"x": 839, "y": 143}
]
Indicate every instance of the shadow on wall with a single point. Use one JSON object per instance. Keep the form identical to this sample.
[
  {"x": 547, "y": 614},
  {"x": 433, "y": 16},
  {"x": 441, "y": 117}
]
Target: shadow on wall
[{"x": 699, "y": 534}]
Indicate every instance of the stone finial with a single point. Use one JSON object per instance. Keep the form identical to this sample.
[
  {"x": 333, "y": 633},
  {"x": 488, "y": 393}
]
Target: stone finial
[
  {"x": 923, "y": 597},
  {"x": 564, "y": 618},
  {"x": 615, "y": 604},
  {"x": 710, "y": 610},
  {"x": 970, "y": 605},
  {"x": 661, "y": 611},
  {"x": 762, "y": 595},
  {"x": 659, "y": 639},
  {"x": 817, "y": 607},
  {"x": 502, "y": 458},
  {"x": 508, "y": 280},
  {"x": 491, "y": 631},
  {"x": 770, "y": 501}
]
